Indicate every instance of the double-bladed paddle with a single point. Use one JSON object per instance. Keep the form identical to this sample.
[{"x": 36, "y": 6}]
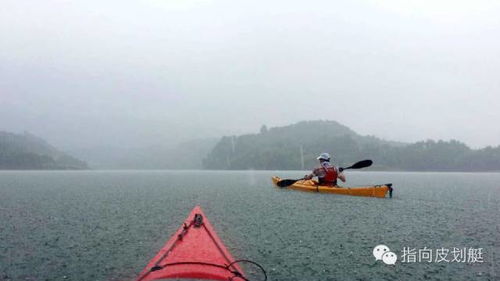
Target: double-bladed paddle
[{"x": 357, "y": 165}]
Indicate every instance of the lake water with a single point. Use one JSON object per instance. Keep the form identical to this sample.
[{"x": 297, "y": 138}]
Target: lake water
[{"x": 106, "y": 225}]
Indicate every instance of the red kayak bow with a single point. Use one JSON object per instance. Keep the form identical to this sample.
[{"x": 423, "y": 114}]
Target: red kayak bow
[{"x": 194, "y": 251}]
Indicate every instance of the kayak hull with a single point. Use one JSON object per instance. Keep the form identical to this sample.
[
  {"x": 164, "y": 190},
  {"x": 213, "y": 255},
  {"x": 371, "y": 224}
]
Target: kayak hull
[
  {"x": 195, "y": 252},
  {"x": 379, "y": 191}
]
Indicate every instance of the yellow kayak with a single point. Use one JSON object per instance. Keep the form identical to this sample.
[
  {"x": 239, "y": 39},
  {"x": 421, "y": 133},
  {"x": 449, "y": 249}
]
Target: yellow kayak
[{"x": 312, "y": 186}]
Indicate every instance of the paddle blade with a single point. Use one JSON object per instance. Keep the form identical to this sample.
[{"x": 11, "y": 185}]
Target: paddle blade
[
  {"x": 361, "y": 164},
  {"x": 286, "y": 182}
]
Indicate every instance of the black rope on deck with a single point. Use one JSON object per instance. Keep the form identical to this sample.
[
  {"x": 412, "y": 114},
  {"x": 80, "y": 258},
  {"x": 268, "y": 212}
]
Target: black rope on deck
[{"x": 198, "y": 222}]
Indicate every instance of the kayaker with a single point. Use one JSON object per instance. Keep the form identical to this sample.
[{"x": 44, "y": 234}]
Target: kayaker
[{"x": 326, "y": 172}]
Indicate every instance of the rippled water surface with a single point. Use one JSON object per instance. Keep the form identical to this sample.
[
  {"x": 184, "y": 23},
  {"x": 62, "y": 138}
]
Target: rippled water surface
[{"x": 106, "y": 225}]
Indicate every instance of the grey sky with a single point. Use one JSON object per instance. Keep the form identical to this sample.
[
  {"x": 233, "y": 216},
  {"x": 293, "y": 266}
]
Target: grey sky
[{"x": 85, "y": 73}]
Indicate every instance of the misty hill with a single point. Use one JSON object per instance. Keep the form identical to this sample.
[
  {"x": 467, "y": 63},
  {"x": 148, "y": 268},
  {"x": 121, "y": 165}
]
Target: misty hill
[
  {"x": 27, "y": 151},
  {"x": 283, "y": 148},
  {"x": 186, "y": 155}
]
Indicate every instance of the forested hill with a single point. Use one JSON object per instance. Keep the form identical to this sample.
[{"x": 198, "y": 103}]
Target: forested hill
[
  {"x": 27, "y": 151},
  {"x": 285, "y": 147}
]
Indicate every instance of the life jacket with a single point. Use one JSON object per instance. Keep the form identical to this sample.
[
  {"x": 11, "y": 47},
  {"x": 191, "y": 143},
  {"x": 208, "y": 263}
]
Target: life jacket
[{"x": 330, "y": 177}]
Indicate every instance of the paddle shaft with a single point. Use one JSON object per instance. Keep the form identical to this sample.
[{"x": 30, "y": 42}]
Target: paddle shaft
[{"x": 357, "y": 165}]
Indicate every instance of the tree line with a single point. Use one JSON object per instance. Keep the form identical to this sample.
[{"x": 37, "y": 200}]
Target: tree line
[
  {"x": 29, "y": 152},
  {"x": 296, "y": 147}
]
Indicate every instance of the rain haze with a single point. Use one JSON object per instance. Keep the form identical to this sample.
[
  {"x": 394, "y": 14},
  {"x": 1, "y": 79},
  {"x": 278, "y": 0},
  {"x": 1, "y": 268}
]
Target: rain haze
[
  {"x": 83, "y": 74},
  {"x": 323, "y": 140}
]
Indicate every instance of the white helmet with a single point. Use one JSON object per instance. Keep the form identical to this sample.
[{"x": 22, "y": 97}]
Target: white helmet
[{"x": 324, "y": 156}]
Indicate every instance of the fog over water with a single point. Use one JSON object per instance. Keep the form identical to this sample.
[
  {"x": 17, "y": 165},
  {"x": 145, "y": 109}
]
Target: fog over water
[{"x": 89, "y": 73}]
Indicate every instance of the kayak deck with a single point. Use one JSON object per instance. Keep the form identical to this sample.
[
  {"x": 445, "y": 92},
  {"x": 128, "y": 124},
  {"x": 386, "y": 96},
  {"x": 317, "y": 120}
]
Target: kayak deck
[
  {"x": 312, "y": 186},
  {"x": 194, "y": 251}
]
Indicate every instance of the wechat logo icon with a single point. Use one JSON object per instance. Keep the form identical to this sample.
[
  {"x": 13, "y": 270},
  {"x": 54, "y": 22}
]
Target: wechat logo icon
[{"x": 383, "y": 253}]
